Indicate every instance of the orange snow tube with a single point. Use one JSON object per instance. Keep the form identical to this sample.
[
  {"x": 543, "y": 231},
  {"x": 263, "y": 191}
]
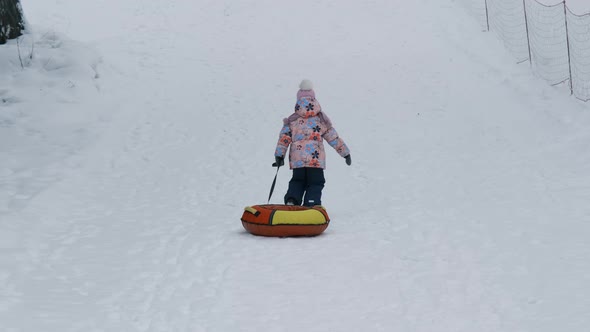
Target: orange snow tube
[{"x": 285, "y": 220}]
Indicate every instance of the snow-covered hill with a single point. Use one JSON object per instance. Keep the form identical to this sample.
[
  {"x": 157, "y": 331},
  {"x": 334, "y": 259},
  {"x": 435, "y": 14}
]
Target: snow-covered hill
[
  {"x": 579, "y": 7},
  {"x": 135, "y": 136}
]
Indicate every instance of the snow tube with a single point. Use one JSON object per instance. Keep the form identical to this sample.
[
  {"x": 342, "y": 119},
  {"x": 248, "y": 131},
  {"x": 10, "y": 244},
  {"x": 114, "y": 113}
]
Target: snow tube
[{"x": 285, "y": 220}]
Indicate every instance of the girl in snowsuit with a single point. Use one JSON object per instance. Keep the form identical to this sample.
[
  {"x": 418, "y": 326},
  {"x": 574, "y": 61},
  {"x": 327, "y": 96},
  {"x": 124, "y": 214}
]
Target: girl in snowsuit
[{"x": 304, "y": 131}]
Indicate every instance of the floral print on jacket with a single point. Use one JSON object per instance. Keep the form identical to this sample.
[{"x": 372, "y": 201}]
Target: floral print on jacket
[{"x": 304, "y": 131}]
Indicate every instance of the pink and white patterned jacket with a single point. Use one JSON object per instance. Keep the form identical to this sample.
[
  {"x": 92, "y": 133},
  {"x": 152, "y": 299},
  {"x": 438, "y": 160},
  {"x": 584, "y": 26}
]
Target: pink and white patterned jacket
[{"x": 304, "y": 131}]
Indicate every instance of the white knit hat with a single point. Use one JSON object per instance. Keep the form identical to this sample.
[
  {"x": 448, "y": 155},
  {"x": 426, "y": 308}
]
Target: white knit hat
[{"x": 306, "y": 85}]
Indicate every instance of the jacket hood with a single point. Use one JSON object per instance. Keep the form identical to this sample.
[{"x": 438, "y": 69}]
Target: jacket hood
[
  {"x": 302, "y": 112},
  {"x": 307, "y": 107}
]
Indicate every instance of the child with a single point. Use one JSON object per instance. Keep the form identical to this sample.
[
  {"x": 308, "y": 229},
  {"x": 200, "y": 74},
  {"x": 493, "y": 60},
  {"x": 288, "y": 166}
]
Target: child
[{"x": 304, "y": 131}]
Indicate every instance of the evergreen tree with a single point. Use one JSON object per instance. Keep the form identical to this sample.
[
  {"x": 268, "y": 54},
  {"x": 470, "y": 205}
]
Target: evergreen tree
[{"x": 11, "y": 20}]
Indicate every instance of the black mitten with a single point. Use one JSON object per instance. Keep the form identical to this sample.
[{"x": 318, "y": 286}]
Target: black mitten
[
  {"x": 348, "y": 160},
  {"x": 279, "y": 161}
]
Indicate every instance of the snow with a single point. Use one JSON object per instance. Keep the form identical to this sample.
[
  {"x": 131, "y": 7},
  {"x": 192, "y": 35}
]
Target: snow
[
  {"x": 129, "y": 150},
  {"x": 579, "y": 7},
  {"x": 45, "y": 82}
]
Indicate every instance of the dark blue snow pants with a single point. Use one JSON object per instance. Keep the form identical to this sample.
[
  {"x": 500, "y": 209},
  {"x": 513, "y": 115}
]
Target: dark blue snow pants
[{"x": 306, "y": 181}]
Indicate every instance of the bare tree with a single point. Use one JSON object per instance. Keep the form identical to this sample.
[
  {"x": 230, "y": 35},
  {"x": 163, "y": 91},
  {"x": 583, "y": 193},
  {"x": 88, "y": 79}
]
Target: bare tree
[{"x": 11, "y": 20}]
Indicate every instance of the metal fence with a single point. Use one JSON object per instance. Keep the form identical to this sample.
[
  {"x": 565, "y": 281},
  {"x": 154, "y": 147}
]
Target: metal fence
[{"x": 554, "y": 39}]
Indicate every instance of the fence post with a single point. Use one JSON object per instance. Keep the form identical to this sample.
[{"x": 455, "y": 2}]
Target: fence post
[
  {"x": 569, "y": 57},
  {"x": 487, "y": 15},
  {"x": 526, "y": 24}
]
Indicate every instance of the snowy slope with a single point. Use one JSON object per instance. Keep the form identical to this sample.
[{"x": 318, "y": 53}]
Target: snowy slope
[
  {"x": 44, "y": 115},
  {"x": 579, "y": 6},
  {"x": 465, "y": 208}
]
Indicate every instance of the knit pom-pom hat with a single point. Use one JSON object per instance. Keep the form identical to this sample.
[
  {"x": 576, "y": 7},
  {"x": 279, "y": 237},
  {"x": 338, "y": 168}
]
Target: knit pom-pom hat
[{"x": 305, "y": 90}]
